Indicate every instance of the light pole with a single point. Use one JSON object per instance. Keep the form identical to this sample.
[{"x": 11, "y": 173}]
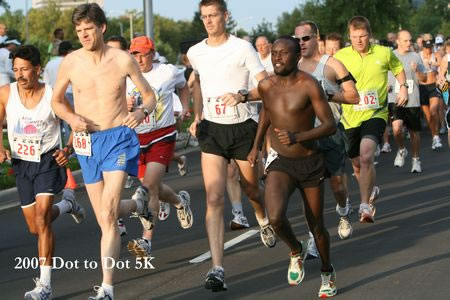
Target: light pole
[
  {"x": 131, "y": 25},
  {"x": 148, "y": 18},
  {"x": 26, "y": 21}
]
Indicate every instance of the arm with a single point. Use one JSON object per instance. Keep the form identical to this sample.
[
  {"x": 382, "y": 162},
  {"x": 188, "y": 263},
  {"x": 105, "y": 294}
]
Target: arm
[
  {"x": 236, "y": 98},
  {"x": 198, "y": 105},
  {"x": 443, "y": 69},
  {"x": 4, "y": 95},
  {"x": 402, "y": 96},
  {"x": 348, "y": 93},
  {"x": 183, "y": 93}
]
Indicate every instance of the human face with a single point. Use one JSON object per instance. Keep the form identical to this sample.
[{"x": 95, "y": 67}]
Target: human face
[
  {"x": 26, "y": 74},
  {"x": 404, "y": 41},
  {"x": 331, "y": 47},
  {"x": 308, "y": 40},
  {"x": 359, "y": 39},
  {"x": 213, "y": 19},
  {"x": 114, "y": 44},
  {"x": 3, "y": 29},
  {"x": 262, "y": 46},
  {"x": 321, "y": 45},
  {"x": 144, "y": 60},
  {"x": 284, "y": 59},
  {"x": 90, "y": 35}
]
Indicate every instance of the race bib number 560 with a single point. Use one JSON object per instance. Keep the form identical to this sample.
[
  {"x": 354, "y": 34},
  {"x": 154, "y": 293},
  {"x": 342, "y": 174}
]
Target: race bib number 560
[{"x": 82, "y": 143}]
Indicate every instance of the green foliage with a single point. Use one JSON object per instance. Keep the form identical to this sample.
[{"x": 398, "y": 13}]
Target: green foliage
[{"x": 265, "y": 28}]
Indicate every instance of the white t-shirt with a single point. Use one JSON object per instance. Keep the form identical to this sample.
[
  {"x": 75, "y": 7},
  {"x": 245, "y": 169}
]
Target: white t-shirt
[
  {"x": 253, "y": 83},
  {"x": 163, "y": 78},
  {"x": 5, "y": 67},
  {"x": 224, "y": 69},
  {"x": 51, "y": 72}
]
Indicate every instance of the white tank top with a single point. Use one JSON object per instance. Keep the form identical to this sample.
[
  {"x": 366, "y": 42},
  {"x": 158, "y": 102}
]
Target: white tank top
[
  {"x": 327, "y": 86},
  {"x": 39, "y": 121}
]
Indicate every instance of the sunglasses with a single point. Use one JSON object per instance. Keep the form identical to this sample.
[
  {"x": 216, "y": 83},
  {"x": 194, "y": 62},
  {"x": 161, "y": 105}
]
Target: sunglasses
[{"x": 305, "y": 38}]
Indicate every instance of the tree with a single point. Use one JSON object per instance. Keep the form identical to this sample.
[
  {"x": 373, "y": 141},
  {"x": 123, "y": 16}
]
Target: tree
[
  {"x": 265, "y": 28},
  {"x": 4, "y": 4}
]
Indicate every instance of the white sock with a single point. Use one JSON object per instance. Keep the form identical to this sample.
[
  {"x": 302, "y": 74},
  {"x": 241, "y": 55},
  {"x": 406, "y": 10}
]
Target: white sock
[
  {"x": 109, "y": 289},
  {"x": 237, "y": 207},
  {"x": 64, "y": 206},
  {"x": 262, "y": 222},
  {"x": 46, "y": 275}
]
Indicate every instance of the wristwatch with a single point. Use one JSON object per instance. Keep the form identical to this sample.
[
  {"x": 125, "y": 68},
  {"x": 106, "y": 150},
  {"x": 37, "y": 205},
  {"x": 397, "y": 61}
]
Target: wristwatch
[
  {"x": 405, "y": 85},
  {"x": 146, "y": 111},
  {"x": 244, "y": 93}
]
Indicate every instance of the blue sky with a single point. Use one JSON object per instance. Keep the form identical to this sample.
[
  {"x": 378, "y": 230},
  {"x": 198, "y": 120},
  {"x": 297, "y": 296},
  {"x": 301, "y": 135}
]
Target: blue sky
[{"x": 247, "y": 13}]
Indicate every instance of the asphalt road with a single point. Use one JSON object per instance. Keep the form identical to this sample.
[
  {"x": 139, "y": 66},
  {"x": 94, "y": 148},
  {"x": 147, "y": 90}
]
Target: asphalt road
[{"x": 403, "y": 255}]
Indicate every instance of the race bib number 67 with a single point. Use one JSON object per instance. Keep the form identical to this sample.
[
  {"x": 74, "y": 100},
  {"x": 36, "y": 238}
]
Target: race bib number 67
[{"x": 82, "y": 143}]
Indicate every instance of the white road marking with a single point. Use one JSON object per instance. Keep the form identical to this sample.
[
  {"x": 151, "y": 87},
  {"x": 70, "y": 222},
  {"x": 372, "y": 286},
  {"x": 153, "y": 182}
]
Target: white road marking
[{"x": 227, "y": 245}]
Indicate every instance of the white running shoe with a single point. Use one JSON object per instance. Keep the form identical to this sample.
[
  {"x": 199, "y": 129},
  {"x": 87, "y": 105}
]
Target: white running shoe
[
  {"x": 366, "y": 214},
  {"x": 122, "y": 228},
  {"x": 128, "y": 182},
  {"x": 77, "y": 211},
  {"x": 146, "y": 216},
  {"x": 436, "y": 143},
  {"x": 345, "y": 228},
  {"x": 184, "y": 213},
  {"x": 312, "y": 249},
  {"x": 416, "y": 167},
  {"x": 182, "y": 168},
  {"x": 101, "y": 294},
  {"x": 164, "y": 211},
  {"x": 267, "y": 235},
  {"x": 400, "y": 158},
  {"x": 373, "y": 197},
  {"x": 296, "y": 270},
  {"x": 239, "y": 220},
  {"x": 386, "y": 148},
  {"x": 140, "y": 248},
  {"x": 328, "y": 287},
  {"x": 40, "y": 292}
]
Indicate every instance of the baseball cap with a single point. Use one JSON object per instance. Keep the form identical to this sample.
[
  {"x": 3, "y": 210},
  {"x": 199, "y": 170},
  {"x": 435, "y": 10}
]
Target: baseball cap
[
  {"x": 439, "y": 40},
  {"x": 427, "y": 44},
  {"x": 141, "y": 44},
  {"x": 16, "y": 42}
]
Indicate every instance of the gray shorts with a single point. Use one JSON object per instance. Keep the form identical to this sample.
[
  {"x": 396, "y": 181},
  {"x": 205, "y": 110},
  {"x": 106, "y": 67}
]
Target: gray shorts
[{"x": 334, "y": 149}]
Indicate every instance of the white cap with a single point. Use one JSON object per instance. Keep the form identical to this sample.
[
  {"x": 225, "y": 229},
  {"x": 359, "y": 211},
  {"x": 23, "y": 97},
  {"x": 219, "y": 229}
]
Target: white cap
[
  {"x": 439, "y": 40},
  {"x": 12, "y": 42}
]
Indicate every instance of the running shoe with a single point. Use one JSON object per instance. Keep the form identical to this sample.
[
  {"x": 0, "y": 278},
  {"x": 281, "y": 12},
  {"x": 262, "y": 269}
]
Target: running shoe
[
  {"x": 373, "y": 197},
  {"x": 386, "y": 148},
  {"x": 128, "y": 182},
  {"x": 77, "y": 211},
  {"x": 146, "y": 216},
  {"x": 377, "y": 151},
  {"x": 101, "y": 294},
  {"x": 140, "y": 248},
  {"x": 268, "y": 236},
  {"x": 122, "y": 228},
  {"x": 184, "y": 213},
  {"x": 345, "y": 228},
  {"x": 193, "y": 142},
  {"x": 366, "y": 214},
  {"x": 164, "y": 211},
  {"x": 296, "y": 270},
  {"x": 239, "y": 220},
  {"x": 312, "y": 249},
  {"x": 328, "y": 287},
  {"x": 181, "y": 136},
  {"x": 215, "y": 280},
  {"x": 182, "y": 167},
  {"x": 40, "y": 292},
  {"x": 400, "y": 158},
  {"x": 436, "y": 143},
  {"x": 416, "y": 167}
]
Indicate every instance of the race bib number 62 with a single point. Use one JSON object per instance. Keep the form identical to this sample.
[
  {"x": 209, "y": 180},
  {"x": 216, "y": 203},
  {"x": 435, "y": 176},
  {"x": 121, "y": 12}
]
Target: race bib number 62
[{"x": 82, "y": 143}]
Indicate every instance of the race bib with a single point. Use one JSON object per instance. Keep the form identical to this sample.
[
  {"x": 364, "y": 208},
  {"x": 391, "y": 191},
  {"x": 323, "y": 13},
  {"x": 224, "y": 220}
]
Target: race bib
[
  {"x": 150, "y": 120},
  {"x": 218, "y": 110},
  {"x": 27, "y": 147},
  {"x": 271, "y": 156},
  {"x": 367, "y": 100},
  {"x": 82, "y": 143},
  {"x": 410, "y": 83}
]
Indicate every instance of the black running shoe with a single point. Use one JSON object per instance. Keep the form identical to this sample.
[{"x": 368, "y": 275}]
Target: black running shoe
[{"x": 215, "y": 280}]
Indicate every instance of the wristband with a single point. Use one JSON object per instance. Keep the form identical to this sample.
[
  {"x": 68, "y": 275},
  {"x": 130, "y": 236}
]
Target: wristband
[
  {"x": 292, "y": 138},
  {"x": 69, "y": 149}
]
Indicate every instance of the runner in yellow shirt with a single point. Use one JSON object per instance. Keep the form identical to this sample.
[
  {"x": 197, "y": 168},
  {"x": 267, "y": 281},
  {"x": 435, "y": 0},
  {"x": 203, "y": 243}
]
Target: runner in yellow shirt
[{"x": 365, "y": 122}]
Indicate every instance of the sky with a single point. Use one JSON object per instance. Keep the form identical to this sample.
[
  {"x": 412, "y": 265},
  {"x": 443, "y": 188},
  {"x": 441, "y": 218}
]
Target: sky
[{"x": 247, "y": 13}]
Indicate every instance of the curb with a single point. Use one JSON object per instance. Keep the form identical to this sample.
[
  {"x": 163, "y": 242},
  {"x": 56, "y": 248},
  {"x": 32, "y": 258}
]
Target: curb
[{"x": 10, "y": 198}]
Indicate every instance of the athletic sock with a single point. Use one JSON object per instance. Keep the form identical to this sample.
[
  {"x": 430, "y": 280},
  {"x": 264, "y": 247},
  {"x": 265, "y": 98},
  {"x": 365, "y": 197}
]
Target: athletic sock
[
  {"x": 46, "y": 275},
  {"x": 64, "y": 206},
  {"x": 262, "y": 222},
  {"x": 179, "y": 205},
  {"x": 109, "y": 289},
  {"x": 69, "y": 195},
  {"x": 237, "y": 207}
]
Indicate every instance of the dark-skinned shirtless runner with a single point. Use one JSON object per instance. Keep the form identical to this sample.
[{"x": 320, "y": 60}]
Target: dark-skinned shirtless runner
[{"x": 291, "y": 101}]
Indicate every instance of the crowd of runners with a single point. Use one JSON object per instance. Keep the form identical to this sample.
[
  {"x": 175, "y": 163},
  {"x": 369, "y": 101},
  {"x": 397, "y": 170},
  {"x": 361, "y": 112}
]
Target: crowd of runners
[{"x": 285, "y": 116}]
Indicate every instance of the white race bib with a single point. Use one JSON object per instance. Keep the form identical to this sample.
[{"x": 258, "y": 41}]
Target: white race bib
[
  {"x": 271, "y": 156},
  {"x": 150, "y": 120},
  {"x": 82, "y": 143},
  {"x": 27, "y": 147},
  {"x": 218, "y": 110},
  {"x": 410, "y": 83},
  {"x": 367, "y": 100}
]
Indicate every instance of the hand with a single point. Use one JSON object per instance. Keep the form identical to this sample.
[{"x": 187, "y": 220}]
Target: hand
[
  {"x": 230, "y": 99},
  {"x": 402, "y": 96},
  {"x": 78, "y": 123},
  {"x": 185, "y": 114},
  {"x": 193, "y": 128},
  {"x": 130, "y": 102},
  {"x": 4, "y": 155},
  {"x": 413, "y": 66},
  {"x": 252, "y": 157},
  {"x": 286, "y": 137},
  {"x": 133, "y": 119},
  {"x": 61, "y": 157},
  {"x": 441, "y": 80}
]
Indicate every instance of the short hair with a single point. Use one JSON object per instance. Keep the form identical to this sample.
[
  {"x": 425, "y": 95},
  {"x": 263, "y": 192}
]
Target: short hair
[
  {"x": 359, "y": 22},
  {"x": 221, "y": 4},
  {"x": 334, "y": 36},
  {"x": 64, "y": 48},
  {"x": 120, "y": 39},
  {"x": 27, "y": 52},
  {"x": 90, "y": 12},
  {"x": 312, "y": 25},
  {"x": 57, "y": 30},
  {"x": 294, "y": 40}
]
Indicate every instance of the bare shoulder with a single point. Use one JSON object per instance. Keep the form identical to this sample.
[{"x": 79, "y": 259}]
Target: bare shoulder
[
  {"x": 4, "y": 94},
  {"x": 266, "y": 83},
  {"x": 305, "y": 78}
]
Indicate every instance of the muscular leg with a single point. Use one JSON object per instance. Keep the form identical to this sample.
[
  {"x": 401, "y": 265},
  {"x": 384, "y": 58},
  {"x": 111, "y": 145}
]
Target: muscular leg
[
  {"x": 415, "y": 143},
  {"x": 397, "y": 127},
  {"x": 434, "y": 114},
  {"x": 338, "y": 184},
  {"x": 279, "y": 188},
  {"x": 427, "y": 115},
  {"x": 214, "y": 169},
  {"x": 233, "y": 185},
  {"x": 365, "y": 169}
]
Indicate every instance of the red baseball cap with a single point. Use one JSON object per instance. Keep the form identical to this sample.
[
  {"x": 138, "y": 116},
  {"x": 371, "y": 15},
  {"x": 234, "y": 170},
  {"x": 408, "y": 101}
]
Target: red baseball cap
[{"x": 142, "y": 44}]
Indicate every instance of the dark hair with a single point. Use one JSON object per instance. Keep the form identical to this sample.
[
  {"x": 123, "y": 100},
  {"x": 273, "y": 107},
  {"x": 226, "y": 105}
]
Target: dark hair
[
  {"x": 27, "y": 52},
  {"x": 294, "y": 40},
  {"x": 312, "y": 25},
  {"x": 64, "y": 48},
  {"x": 57, "y": 30},
  {"x": 221, "y": 4},
  {"x": 359, "y": 22},
  {"x": 120, "y": 39},
  {"x": 334, "y": 36},
  {"x": 90, "y": 12}
]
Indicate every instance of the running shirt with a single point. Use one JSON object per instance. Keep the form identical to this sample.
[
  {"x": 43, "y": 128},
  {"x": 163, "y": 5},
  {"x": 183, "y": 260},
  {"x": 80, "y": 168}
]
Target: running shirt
[
  {"x": 31, "y": 132},
  {"x": 163, "y": 78},
  {"x": 370, "y": 73},
  {"x": 224, "y": 69},
  {"x": 327, "y": 86},
  {"x": 411, "y": 78},
  {"x": 429, "y": 63}
]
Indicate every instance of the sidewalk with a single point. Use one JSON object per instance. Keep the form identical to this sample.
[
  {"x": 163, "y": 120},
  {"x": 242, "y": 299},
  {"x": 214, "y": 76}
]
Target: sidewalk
[{"x": 10, "y": 197}]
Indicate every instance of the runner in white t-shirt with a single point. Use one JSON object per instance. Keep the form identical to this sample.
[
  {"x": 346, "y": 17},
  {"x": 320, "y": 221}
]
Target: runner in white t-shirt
[{"x": 223, "y": 125}]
